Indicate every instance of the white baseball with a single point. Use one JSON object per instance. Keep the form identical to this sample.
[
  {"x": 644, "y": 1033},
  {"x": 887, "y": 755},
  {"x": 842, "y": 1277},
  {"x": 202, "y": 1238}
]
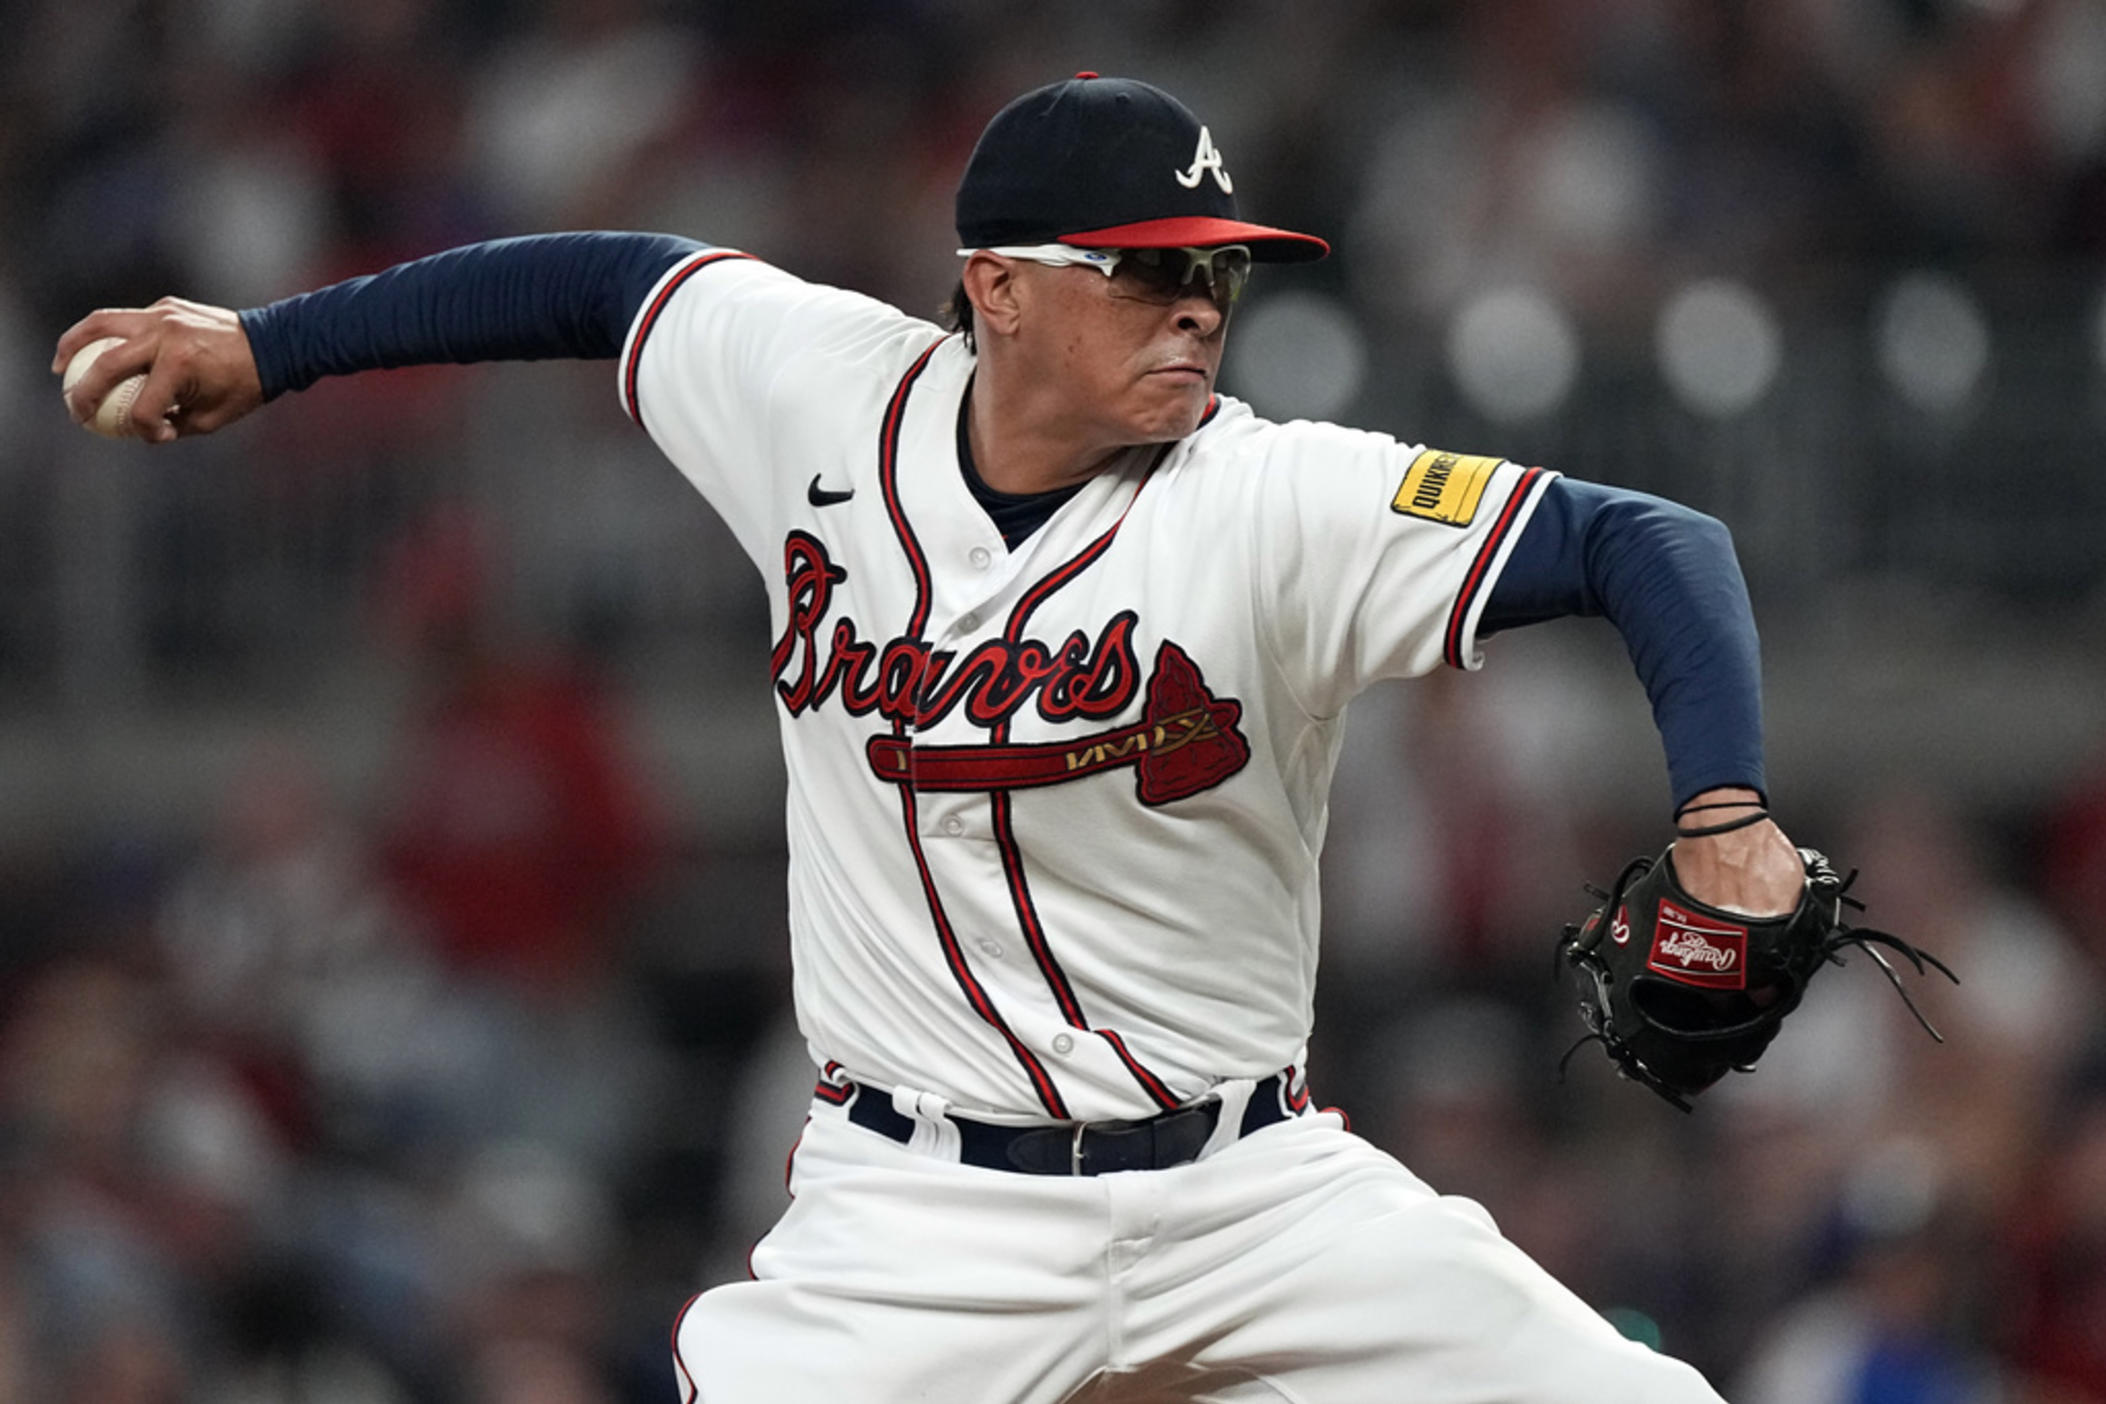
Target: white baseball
[{"x": 113, "y": 417}]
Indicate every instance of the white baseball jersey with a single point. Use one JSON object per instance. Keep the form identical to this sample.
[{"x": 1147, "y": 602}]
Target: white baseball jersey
[{"x": 1054, "y": 813}]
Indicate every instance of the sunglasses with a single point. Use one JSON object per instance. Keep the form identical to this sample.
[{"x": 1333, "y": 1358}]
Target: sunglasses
[{"x": 1152, "y": 275}]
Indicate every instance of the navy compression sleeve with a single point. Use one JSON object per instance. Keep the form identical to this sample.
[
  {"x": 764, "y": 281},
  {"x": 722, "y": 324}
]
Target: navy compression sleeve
[
  {"x": 1666, "y": 577},
  {"x": 527, "y": 299}
]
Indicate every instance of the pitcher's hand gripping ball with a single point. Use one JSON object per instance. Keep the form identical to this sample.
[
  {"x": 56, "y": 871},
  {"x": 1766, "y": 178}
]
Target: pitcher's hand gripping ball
[{"x": 1680, "y": 993}]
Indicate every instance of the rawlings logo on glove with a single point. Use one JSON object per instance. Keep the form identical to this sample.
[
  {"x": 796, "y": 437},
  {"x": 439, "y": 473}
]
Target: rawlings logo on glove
[
  {"x": 1681, "y": 993},
  {"x": 1683, "y": 944}
]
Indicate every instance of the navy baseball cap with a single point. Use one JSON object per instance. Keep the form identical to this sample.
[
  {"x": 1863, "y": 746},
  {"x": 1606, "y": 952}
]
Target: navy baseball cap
[{"x": 1108, "y": 163}]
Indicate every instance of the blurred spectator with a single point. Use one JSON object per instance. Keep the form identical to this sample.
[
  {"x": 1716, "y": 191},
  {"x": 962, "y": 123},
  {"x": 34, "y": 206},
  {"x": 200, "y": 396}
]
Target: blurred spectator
[
  {"x": 2056, "y": 1311},
  {"x": 140, "y": 1172},
  {"x": 18, "y": 1381},
  {"x": 454, "y": 1146},
  {"x": 2026, "y": 1001},
  {"x": 1450, "y": 846},
  {"x": 520, "y": 828},
  {"x": 1856, "y": 1069},
  {"x": 2073, "y": 858},
  {"x": 380, "y": 110},
  {"x": 1895, "y": 1328},
  {"x": 2025, "y": 1006},
  {"x": 277, "y": 907},
  {"x": 532, "y": 1234},
  {"x": 561, "y": 110}
]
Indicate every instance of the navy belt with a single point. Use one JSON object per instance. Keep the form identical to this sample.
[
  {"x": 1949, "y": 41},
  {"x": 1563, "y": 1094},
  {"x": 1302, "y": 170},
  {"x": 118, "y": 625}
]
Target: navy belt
[{"x": 1085, "y": 1147}]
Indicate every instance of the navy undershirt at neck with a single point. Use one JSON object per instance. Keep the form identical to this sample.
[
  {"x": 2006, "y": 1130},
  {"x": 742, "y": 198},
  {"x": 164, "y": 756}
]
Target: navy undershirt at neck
[{"x": 1015, "y": 514}]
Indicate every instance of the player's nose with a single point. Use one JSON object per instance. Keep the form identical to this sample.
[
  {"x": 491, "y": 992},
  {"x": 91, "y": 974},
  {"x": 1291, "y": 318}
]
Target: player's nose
[{"x": 1197, "y": 311}]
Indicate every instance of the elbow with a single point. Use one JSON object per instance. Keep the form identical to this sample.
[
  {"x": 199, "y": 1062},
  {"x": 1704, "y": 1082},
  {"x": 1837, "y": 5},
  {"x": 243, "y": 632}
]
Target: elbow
[
  {"x": 1653, "y": 556},
  {"x": 1675, "y": 522},
  {"x": 1706, "y": 530},
  {"x": 1639, "y": 523}
]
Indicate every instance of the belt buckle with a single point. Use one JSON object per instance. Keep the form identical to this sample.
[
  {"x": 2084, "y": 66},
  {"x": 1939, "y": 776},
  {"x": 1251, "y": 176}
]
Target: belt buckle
[{"x": 1075, "y": 1148}]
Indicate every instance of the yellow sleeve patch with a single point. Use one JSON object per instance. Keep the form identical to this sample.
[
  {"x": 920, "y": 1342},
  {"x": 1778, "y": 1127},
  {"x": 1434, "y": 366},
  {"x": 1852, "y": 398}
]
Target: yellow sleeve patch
[{"x": 1444, "y": 487}]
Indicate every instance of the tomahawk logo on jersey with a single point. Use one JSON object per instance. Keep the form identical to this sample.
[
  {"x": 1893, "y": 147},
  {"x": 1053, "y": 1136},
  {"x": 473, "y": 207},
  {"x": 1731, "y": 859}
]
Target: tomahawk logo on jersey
[{"x": 1009, "y": 770}]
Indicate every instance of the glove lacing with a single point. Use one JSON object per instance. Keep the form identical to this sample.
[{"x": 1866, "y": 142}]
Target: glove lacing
[{"x": 1868, "y": 940}]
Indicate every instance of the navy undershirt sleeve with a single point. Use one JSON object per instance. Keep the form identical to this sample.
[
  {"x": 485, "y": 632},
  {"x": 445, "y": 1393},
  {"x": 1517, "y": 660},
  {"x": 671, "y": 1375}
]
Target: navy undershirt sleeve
[
  {"x": 1667, "y": 578},
  {"x": 534, "y": 298}
]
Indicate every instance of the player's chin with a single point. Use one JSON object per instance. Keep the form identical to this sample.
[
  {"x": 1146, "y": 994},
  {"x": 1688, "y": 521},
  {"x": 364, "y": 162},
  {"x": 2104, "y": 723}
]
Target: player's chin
[{"x": 1172, "y": 403}]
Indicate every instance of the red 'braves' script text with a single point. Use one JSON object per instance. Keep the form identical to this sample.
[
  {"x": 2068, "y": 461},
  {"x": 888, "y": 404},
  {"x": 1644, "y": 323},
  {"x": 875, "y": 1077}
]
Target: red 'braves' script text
[{"x": 906, "y": 680}]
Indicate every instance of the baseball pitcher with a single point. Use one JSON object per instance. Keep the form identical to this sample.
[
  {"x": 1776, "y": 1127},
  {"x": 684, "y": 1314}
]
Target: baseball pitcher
[{"x": 1063, "y": 642}]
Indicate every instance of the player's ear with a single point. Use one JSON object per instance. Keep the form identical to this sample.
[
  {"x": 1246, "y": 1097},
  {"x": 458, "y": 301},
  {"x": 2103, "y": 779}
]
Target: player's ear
[{"x": 991, "y": 284}]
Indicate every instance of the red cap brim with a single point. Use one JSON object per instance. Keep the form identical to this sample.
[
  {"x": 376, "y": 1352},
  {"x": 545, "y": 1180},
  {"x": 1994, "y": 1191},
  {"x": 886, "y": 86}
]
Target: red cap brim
[{"x": 1267, "y": 245}]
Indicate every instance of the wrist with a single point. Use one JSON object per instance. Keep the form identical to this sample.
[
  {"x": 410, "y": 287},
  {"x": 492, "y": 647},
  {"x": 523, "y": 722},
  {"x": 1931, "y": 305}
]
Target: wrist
[
  {"x": 1724, "y": 810},
  {"x": 1724, "y": 800}
]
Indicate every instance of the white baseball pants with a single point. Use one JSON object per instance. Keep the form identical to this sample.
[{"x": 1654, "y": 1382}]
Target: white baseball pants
[{"x": 1298, "y": 1265}]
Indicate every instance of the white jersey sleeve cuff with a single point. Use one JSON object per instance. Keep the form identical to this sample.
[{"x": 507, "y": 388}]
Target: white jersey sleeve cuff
[
  {"x": 647, "y": 319},
  {"x": 1459, "y": 641}
]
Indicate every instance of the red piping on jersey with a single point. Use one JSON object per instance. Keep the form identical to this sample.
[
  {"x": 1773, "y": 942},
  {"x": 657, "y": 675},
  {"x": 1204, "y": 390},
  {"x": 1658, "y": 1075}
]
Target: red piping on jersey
[
  {"x": 789, "y": 1167},
  {"x": 1061, "y": 574},
  {"x": 688, "y": 1387},
  {"x": 1048, "y": 1095},
  {"x": 1297, "y": 1096},
  {"x": 650, "y": 319},
  {"x": 1005, "y": 834},
  {"x": 1150, "y": 1083},
  {"x": 828, "y": 1090},
  {"x": 888, "y": 482},
  {"x": 1027, "y": 915},
  {"x": 1451, "y": 649},
  {"x": 975, "y": 995}
]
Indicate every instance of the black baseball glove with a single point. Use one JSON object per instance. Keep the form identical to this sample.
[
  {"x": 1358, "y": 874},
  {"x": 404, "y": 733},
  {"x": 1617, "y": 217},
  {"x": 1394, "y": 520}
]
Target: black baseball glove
[{"x": 1681, "y": 993}]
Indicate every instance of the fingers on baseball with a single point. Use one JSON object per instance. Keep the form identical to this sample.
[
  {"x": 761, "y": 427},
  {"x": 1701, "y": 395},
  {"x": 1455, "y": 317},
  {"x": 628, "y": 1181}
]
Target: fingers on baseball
[
  {"x": 124, "y": 323},
  {"x": 115, "y": 365},
  {"x": 128, "y": 355},
  {"x": 157, "y": 401}
]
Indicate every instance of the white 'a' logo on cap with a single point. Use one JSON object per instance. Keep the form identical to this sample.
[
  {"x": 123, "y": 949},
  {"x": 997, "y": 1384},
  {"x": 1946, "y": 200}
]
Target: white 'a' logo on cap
[{"x": 1205, "y": 159}]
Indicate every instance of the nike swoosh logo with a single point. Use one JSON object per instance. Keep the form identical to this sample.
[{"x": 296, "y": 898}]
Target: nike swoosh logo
[{"x": 825, "y": 497}]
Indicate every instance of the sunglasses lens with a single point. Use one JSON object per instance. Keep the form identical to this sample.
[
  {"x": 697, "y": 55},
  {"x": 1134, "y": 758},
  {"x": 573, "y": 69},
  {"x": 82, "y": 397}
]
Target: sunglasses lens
[
  {"x": 1154, "y": 274},
  {"x": 1228, "y": 272},
  {"x": 1163, "y": 275}
]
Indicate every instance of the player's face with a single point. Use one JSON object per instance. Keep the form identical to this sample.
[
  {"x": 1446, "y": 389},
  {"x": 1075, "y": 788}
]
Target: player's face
[{"x": 1136, "y": 354}]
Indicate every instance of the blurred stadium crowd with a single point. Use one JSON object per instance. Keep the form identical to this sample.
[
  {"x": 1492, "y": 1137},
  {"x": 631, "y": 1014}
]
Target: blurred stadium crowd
[{"x": 392, "y": 977}]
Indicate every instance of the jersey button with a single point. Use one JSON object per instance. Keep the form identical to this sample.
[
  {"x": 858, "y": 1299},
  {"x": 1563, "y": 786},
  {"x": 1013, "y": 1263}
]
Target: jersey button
[
  {"x": 1063, "y": 1044},
  {"x": 968, "y": 622},
  {"x": 992, "y": 948},
  {"x": 981, "y": 557},
  {"x": 953, "y": 825}
]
